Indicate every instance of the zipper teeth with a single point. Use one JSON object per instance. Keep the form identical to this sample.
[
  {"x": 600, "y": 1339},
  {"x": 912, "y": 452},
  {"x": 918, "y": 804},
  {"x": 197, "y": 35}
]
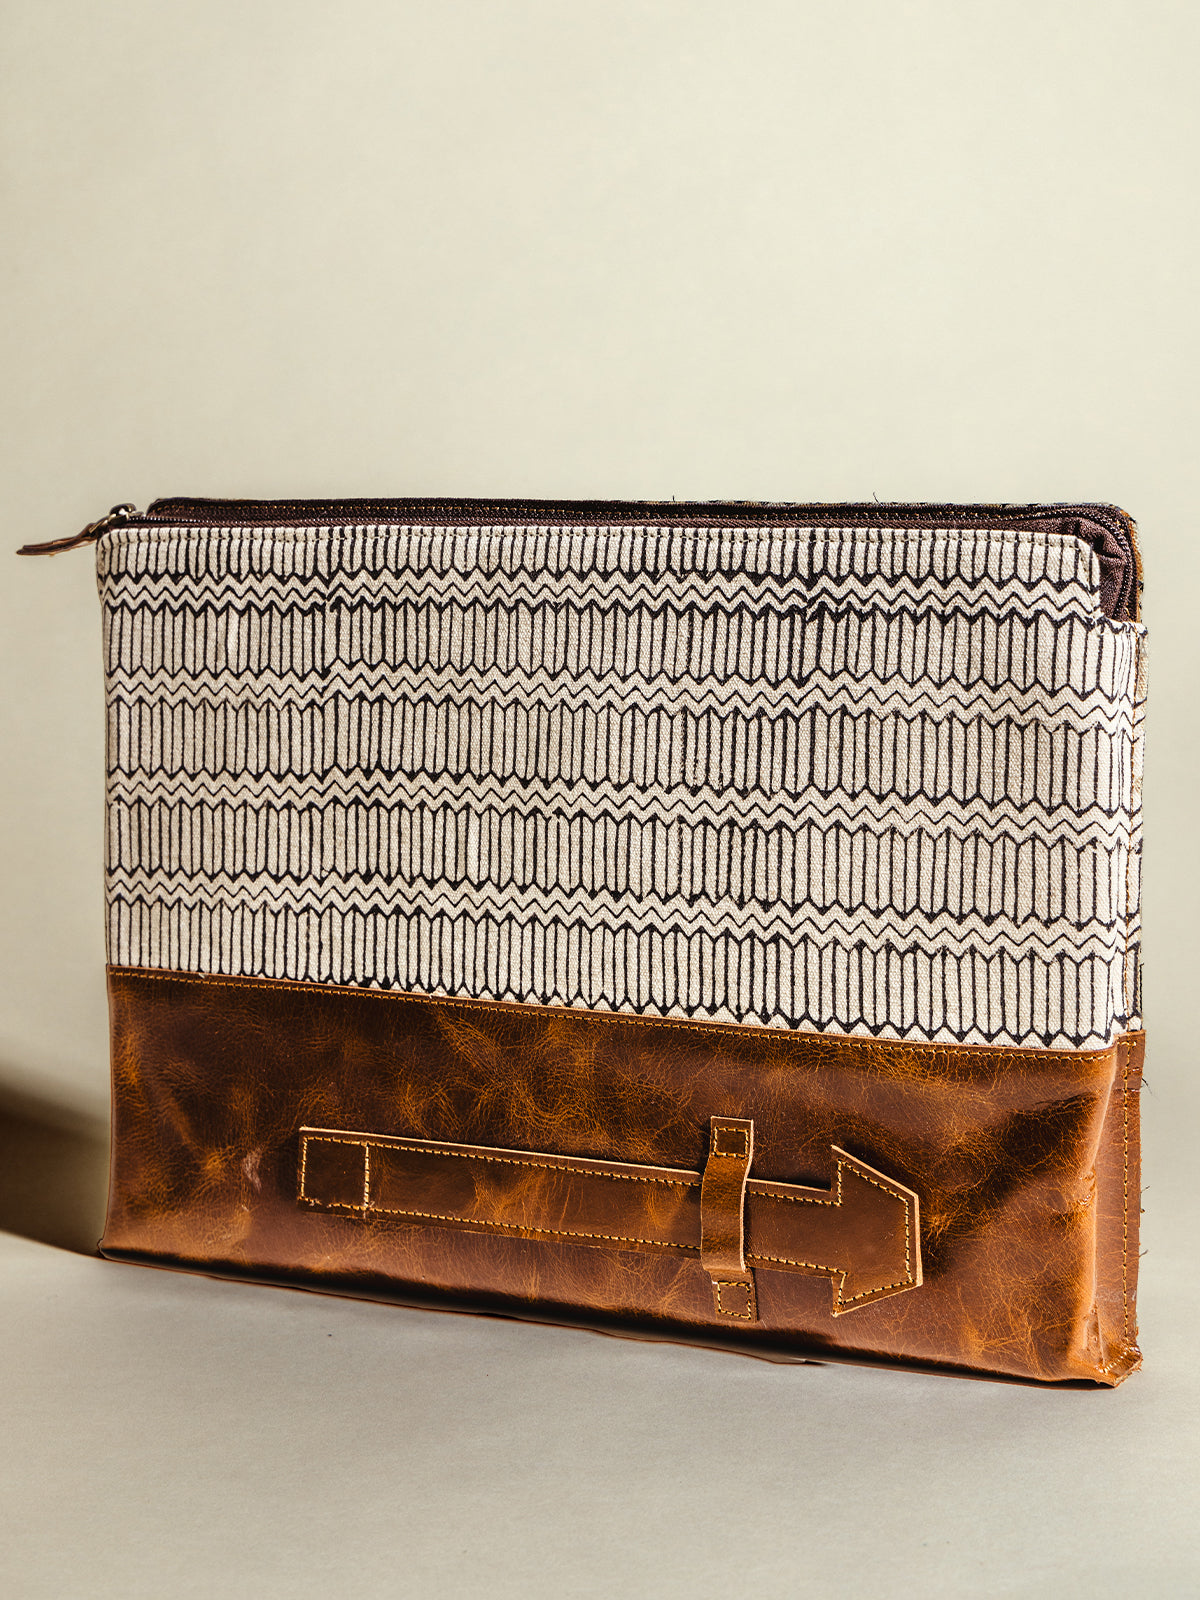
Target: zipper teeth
[
  {"x": 921, "y": 515},
  {"x": 308, "y": 513},
  {"x": 712, "y": 513}
]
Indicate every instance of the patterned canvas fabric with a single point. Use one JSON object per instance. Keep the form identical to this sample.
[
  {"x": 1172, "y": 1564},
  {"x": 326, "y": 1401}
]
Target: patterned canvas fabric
[{"x": 864, "y": 780}]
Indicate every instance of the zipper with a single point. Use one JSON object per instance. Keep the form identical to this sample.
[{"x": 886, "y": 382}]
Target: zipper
[
  {"x": 88, "y": 535},
  {"x": 184, "y": 512},
  {"x": 1109, "y": 527}
]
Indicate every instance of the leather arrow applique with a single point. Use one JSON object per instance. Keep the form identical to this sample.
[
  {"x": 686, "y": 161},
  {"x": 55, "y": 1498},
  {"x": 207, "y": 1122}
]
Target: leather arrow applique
[{"x": 863, "y": 1233}]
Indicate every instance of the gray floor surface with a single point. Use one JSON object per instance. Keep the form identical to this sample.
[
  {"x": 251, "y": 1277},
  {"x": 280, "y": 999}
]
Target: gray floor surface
[{"x": 168, "y": 1435}]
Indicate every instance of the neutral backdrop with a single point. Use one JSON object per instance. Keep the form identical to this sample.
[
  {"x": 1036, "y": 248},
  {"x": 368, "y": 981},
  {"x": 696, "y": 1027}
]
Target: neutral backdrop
[{"x": 773, "y": 249}]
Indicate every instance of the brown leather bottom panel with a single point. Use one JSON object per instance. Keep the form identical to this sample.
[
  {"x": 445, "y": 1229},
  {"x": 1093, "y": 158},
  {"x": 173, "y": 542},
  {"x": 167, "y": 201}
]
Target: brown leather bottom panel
[{"x": 964, "y": 1207}]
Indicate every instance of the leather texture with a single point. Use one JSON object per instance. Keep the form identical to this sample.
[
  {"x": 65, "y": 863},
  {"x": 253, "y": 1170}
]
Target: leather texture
[
  {"x": 1024, "y": 1163},
  {"x": 723, "y": 1218},
  {"x": 864, "y": 1233}
]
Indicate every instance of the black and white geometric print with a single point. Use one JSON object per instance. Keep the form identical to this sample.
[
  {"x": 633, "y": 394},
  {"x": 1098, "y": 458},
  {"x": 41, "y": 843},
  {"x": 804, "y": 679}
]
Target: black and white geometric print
[{"x": 868, "y": 781}]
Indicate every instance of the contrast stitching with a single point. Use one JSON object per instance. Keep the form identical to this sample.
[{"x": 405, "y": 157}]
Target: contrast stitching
[
  {"x": 509, "y": 1161},
  {"x": 733, "y": 1283},
  {"x": 1125, "y": 1193},
  {"x": 754, "y": 1187},
  {"x": 880, "y": 1288},
  {"x": 737, "y": 1030},
  {"x": 521, "y": 1227},
  {"x": 787, "y": 1261},
  {"x": 1128, "y": 980},
  {"x": 1108, "y": 1366},
  {"x": 719, "y": 1133},
  {"x": 1129, "y": 985},
  {"x": 887, "y": 1188},
  {"x": 479, "y": 1222},
  {"x": 360, "y": 1144},
  {"x": 559, "y": 1233},
  {"x": 783, "y": 531},
  {"x": 833, "y": 1199},
  {"x": 836, "y": 1272}
]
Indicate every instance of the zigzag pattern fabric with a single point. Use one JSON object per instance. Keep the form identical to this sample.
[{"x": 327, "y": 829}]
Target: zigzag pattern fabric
[{"x": 861, "y": 780}]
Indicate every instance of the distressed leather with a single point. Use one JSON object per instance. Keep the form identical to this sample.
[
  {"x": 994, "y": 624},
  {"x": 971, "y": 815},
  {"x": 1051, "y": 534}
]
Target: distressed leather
[
  {"x": 864, "y": 1233},
  {"x": 1024, "y": 1162},
  {"x": 723, "y": 1218}
]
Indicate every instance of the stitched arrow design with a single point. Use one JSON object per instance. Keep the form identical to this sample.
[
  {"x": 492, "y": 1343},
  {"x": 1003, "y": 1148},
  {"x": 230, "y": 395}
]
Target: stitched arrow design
[{"x": 863, "y": 1233}]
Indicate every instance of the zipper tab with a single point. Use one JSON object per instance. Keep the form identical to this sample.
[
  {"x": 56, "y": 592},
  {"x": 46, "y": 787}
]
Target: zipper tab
[{"x": 88, "y": 535}]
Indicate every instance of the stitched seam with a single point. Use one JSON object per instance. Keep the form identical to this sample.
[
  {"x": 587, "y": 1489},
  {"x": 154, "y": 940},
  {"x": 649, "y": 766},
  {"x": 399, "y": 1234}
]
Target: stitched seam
[
  {"x": 1129, "y": 987},
  {"x": 830, "y": 1199},
  {"x": 787, "y": 1261},
  {"x": 611, "y": 1238},
  {"x": 795, "y": 1199},
  {"x": 360, "y": 1144},
  {"x": 329, "y": 1138},
  {"x": 725, "y": 1029},
  {"x": 698, "y": 532},
  {"x": 521, "y": 1227},
  {"x": 1108, "y": 1366},
  {"x": 721, "y": 1129},
  {"x": 509, "y": 1161},
  {"x": 886, "y": 1188},
  {"x": 551, "y": 1233},
  {"x": 1125, "y": 1195},
  {"x": 733, "y": 1283},
  {"x": 865, "y": 1294},
  {"x": 835, "y": 1199},
  {"x": 1128, "y": 980},
  {"x": 817, "y": 1266}
]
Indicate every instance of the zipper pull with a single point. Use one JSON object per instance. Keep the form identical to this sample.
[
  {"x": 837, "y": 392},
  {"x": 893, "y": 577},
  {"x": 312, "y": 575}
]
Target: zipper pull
[{"x": 88, "y": 535}]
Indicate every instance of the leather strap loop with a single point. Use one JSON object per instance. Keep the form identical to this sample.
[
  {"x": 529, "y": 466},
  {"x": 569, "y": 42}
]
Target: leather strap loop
[
  {"x": 864, "y": 1232},
  {"x": 722, "y": 1218}
]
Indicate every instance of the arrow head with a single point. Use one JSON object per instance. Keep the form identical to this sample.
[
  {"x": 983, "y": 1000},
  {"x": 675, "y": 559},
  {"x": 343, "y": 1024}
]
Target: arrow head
[{"x": 880, "y": 1235}]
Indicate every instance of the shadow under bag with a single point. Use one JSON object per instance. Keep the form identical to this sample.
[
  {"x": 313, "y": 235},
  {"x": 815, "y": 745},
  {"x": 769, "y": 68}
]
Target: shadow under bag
[{"x": 713, "y": 922}]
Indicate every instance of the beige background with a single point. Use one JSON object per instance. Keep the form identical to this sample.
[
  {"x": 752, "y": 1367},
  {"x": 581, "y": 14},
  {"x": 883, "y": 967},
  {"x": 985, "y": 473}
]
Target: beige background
[{"x": 755, "y": 250}]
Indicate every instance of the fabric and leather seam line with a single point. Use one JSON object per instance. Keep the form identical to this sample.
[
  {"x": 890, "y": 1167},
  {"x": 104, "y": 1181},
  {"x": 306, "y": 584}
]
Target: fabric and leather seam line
[{"x": 832, "y": 1041}]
